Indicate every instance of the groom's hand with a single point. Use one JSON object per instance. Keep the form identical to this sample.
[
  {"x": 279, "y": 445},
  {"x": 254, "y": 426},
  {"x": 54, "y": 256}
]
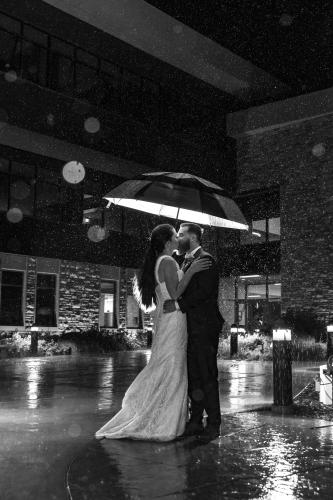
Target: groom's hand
[{"x": 169, "y": 306}]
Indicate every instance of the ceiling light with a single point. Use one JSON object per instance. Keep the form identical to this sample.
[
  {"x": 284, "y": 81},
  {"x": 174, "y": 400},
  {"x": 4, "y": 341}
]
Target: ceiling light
[{"x": 250, "y": 276}]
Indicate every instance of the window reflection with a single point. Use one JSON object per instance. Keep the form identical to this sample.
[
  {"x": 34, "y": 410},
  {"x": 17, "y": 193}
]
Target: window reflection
[{"x": 105, "y": 391}]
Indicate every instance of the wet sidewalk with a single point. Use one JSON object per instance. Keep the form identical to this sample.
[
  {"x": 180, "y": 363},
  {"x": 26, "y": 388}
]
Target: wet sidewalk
[{"x": 51, "y": 407}]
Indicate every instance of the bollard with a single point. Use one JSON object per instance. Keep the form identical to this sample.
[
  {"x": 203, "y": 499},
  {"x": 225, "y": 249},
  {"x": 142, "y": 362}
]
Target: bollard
[
  {"x": 34, "y": 340},
  {"x": 329, "y": 330},
  {"x": 282, "y": 368},
  {"x": 233, "y": 340}
]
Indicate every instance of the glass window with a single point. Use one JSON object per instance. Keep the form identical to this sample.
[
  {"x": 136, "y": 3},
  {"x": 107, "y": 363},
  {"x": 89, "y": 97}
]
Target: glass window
[
  {"x": 35, "y": 35},
  {"x": 274, "y": 291},
  {"x": 72, "y": 204},
  {"x": 11, "y": 298},
  {"x": 46, "y": 300},
  {"x": 131, "y": 93},
  {"x": 61, "y": 73},
  {"x": 256, "y": 291},
  {"x": 3, "y": 192},
  {"x": 150, "y": 101},
  {"x": 87, "y": 82},
  {"x": 108, "y": 304},
  {"x": 9, "y": 51},
  {"x": 256, "y": 234},
  {"x": 274, "y": 229},
  {"x": 10, "y": 24},
  {"x": 22, "y": 187},
  {"x": 34, "y": 62}
]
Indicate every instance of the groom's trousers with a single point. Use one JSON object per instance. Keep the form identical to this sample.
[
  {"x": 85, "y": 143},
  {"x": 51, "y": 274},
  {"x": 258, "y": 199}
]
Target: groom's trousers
[{"x": 203, "y": 380}]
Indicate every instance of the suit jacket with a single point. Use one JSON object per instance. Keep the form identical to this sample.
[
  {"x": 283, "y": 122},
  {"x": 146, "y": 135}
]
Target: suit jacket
[{"x": 200, "y": 302}]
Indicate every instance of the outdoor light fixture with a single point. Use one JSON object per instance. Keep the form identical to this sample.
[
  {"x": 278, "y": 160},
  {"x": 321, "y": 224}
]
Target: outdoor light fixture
[
  {"x": 329, "y": 327},
  {"x": 250, "y": 276},
  {"x": 282, "y": 334},
  {"x": 256, "y": 234},
  {"x": 282, "y": 367}
]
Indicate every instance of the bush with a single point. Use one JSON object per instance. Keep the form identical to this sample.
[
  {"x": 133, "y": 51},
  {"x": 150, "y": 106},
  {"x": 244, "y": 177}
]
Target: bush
[
  {"x": 105, "y": 340},
  {"x": 259, "y": 348},
  {"x": 305, "y": 323}
]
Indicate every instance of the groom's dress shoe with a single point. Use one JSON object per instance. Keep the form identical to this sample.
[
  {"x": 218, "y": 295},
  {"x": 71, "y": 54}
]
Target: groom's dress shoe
[
  {"x": 193, "y": 430},
  {"x": 209, "y": 434}
]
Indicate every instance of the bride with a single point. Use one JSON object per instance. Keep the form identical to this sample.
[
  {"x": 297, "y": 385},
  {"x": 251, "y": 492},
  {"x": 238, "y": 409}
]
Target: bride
[{"x": 155, "y": 405}]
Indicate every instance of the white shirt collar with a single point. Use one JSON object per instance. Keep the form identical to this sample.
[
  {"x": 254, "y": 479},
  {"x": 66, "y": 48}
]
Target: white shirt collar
[{"x": 189, "y": 255}]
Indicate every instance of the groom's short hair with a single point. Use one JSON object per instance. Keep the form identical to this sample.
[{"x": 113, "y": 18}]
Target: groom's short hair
[{"x": 194, "y": 229}]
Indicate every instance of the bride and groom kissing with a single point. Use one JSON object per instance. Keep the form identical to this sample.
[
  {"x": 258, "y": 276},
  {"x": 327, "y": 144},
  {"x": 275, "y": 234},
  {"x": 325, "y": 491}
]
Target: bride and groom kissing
[{"x": 168, "y": 398}]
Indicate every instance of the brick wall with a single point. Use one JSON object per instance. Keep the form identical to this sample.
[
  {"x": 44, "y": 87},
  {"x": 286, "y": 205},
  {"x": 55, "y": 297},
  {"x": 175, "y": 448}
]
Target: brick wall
[{"x": 299, "y": 158}]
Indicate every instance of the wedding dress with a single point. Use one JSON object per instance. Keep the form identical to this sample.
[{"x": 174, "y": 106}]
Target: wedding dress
[{"x": 155, "y": 405}]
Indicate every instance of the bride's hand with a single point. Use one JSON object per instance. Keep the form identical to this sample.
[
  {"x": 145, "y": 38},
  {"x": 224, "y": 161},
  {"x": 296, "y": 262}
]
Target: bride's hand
[{"x": 200, "y": 265}]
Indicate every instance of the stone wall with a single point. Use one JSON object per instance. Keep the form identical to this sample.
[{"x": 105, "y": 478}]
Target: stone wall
[
  {"x": 79, "y": 294},
  {"x": 299, "y": 159},
  {"x": 30, "y": 295}
]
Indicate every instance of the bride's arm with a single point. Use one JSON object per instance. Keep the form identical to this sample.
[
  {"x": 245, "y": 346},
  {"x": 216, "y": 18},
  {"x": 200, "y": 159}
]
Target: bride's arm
[{"x": 169, "y": 274}]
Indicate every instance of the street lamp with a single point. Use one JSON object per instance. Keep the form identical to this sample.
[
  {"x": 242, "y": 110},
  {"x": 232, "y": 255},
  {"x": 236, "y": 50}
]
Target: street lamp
[
  {"x": 233, "y": 340},
  {"x": 282, "y": 367},
  {"x": 234, "y": 331},
  {"x": 34, "y": 339}
]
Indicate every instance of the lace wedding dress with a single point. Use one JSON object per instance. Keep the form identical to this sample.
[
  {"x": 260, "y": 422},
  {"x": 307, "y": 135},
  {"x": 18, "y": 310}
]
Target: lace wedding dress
[{"x": 155, "y": 405}]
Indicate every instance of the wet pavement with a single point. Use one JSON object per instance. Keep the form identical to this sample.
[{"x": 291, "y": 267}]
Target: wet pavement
[{"x": 51, "y": 407}]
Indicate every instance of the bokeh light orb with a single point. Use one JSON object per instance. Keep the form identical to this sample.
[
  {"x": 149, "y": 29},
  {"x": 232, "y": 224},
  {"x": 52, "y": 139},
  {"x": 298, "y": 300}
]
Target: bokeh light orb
[
  {"x": 92, "y": 125},
  {"x": 286, "y": 20},
  {"x": 178, "y": 29},
  {"x": 319, "y": 150},
  {"x": 14, "y": 215},
  {"x": 96, "y": 233},
  {"x": 10, "y": 76},
  {"x": 20, "y": 190},
  {"x": 73, "y": 172},
  {"x": 50, "y": 120}
]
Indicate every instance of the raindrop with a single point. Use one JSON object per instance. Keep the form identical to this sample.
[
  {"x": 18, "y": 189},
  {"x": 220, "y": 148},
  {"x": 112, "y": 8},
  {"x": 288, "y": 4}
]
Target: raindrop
[
  {"x": 96, "y": 233},
  {"x": 10, "y": 76},
  {"x": 50, "y": 119},
  {"x": 286, "y": 20},
  {"x": 14, "y": 215},
  {"x": 92, "y": 125},
  {"x": 20, "y": 190},
  {"x": 178, "y": 29},
  {"x": 73, "y": 172},
  {"x": 74, "y": 430},
  {"x": 319, "y": 150}
]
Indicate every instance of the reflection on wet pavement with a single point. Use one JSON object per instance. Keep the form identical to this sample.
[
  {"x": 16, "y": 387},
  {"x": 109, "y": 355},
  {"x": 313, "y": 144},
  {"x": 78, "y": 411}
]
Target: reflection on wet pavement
[{"x": 51, "y": 407}]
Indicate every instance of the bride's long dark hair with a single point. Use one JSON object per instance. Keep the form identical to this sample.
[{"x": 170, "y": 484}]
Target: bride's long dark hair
[{"x": 145, "y": 282}]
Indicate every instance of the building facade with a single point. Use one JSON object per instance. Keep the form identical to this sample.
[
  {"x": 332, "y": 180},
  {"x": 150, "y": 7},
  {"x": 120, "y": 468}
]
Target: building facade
[{"x": 74, "y": 97}]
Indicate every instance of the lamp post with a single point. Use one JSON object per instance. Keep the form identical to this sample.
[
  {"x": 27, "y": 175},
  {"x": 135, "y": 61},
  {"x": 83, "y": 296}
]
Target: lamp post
[
  {"x": 234, "y": 331},
  {"x": 282, "y": 367},
  {"x": 34, "y": 339},
  {"x": 329, "y": 330},
  {"x": 233, "y": 340}
]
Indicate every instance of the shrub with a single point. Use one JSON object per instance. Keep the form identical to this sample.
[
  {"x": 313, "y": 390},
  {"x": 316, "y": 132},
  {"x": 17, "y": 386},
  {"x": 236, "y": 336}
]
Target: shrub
[{"x": 305, "y": 323}]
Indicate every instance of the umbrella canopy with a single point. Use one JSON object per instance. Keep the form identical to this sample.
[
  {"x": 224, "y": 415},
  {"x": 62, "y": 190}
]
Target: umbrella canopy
[{"x": 179, "y": 196}]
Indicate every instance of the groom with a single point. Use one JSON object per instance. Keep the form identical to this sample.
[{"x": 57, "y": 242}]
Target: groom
[{"x": 204, "y": 324}]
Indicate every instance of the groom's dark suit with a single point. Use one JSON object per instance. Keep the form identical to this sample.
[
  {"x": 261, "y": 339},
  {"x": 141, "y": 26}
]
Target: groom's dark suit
[{"x": 204, "y": 324}]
